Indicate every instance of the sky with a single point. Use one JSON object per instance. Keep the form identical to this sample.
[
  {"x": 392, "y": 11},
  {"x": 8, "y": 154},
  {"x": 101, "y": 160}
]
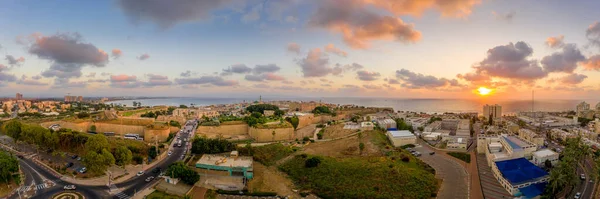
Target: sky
[{"x": 305, "y": 48}]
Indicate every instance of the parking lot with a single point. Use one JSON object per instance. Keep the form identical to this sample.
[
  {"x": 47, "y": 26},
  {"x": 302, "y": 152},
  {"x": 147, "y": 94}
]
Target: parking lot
[{"x": 455, "y": 178}]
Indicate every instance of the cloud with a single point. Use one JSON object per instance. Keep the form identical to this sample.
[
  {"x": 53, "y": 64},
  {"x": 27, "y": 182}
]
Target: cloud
[
  {"x": 37, "y": 77},
  {"x": 417, "y": 80},
  {"x": 291, "y": 19},
  {"x": 187, "y": 73},
  {"x": 124, "y": 81},
  {"x": 505, "y": 17},
  {"x": 268, "y": 68},
  {"x": 105, "y": 74},
  {"x": 123, "y": 78},
  {"x": 14, "y": 61},
  {"x": 143, "y": 57},
  {"x": 592, "y": 63},
  {"x": 339, "y": 69},
  {"x": 326, "y": 85},
  {"x": 67, "y": 83},
  {"x": 214, "y": 80},
  {"x": 360, "y": 25},
  {"x": 30, "y": 82},
  {"x": 253, "y": 15},
  {"x": 573, "y": 78},
  {"x": 565, "y": 61},
  {"x": 97, "y": 80},
  {"x": 66, "y": 48},
  {"x": 555, "y": 42},
  {"x": 157, "y": 80},
  {"x": 287, "y": 82},
  {"x": 367, "y": 76},
  {"x": 315, "y": 64},
  {"x": 474, "y": 77},
  {"x": 293, "y": 47},
  {"x": 330, "y": 48},
  {"x": 5, "y": 77},
  {"x": 447, "y": 8},
  {"x": 510, "y": 61},
  {"x": 168, "y": 14},
  {"x": 261, "y": 86},
  {"x": 116, "y": 53},
  {"x": 593, "y": 34},
  {"x": 262, "y": 77},
  {"x": 373, "y": 87},
  {"x": 64, "y": 71},
  {"x": 237, "y": 68},
  {"x": 393, "y": 81}
]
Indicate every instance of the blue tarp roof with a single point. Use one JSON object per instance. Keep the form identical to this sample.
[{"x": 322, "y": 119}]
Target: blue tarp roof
[
  {"x": 392, "y": 129},
  {"x": 533, "y": 190},
  {"x": 520, "y": 170}
]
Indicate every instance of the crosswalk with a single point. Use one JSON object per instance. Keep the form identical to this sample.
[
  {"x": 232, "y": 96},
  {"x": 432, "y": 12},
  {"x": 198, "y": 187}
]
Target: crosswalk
[
  {"x": 41, "y": 186},
  {"x": 122, "y": 195},
  {"x": 24, "y": 189},
  {"x": 113, "y": 187}
]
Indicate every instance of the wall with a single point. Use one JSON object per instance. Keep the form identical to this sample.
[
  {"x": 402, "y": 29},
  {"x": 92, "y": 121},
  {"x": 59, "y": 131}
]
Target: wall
[
  {"x": 161, "y": 135},
  {"x": 234, "y": 129},
  {"x": 266, "y": 135},
  {"x": 117, "y": 128}
]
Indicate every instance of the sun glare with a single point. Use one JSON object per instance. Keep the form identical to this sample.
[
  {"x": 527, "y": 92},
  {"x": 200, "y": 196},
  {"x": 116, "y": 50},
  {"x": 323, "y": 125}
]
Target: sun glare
[{"x": 484, "y": 91}]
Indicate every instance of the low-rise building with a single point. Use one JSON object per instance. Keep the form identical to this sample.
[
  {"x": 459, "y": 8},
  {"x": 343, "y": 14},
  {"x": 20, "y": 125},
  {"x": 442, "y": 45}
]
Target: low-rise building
[
  {"x": 434, "y": 126},
  {"x": 232, "y": 163},
  {"x": 365, "y": 126},
  {"x": 387, "y": 123},
  {"x": 540, "y": 157},
  {"x": 517, "y": 147},
  {"x": 520, "y": 177},
  {"x": 269, "y": 113},
  {"x": 401, "y": 138},
  {"x": 531, "y": 137},
  {"x": 457, "y": 143}
]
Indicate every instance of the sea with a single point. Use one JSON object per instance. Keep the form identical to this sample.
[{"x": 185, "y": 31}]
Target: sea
[{"x": 509, "y": 107}]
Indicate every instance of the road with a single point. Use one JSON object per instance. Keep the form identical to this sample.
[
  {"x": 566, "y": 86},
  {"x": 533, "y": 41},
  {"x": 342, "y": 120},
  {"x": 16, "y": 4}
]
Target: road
[
  {"x": 585, "y": 187},
  {"x": 131, "y": 186},
  {"x": 43, "y": 183},
  {"x": 455, "y": 178}
]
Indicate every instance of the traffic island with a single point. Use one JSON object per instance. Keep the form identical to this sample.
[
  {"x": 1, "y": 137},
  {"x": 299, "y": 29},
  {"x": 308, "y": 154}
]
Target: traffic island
[{"x": 68, "y": 195}]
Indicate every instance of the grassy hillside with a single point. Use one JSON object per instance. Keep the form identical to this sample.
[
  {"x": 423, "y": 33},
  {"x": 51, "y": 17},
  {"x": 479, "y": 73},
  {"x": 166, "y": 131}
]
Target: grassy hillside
[{"x": 365, "y": 177}]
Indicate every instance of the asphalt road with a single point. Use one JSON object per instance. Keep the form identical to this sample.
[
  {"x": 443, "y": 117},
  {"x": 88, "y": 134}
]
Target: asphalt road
[
  {"x": 455, "y": 179},
  {"x": 36, "y": 176}
]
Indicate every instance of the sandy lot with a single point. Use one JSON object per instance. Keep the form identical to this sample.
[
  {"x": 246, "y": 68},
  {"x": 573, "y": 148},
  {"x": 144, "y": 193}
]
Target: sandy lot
[
  {"x": 269, "y": 179},
  {"x": 336, "y": 131},
  {"x": 343, "y": 147}
]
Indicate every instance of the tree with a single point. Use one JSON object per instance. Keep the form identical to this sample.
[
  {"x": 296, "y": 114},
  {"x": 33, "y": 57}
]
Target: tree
[
  {"x": 9, "y": 165},
  {"x": 82, "y": 115},
  {"x": 96, "y": 143},
  {"x": 122, "y": 156},
  {"x": 93, "y": 128},
  {"x": 361, "y": 146},
  {"x": 321, "y": 110},
  {"x": 98, "y": 162},
  {"x": 13, "y": 129},
  {"x": 181, "y": 171},
  {"x": 490, "y": 120},
  {"x": 203, "y": 145},
  {"x": 421, "y": 128},
  {"x": 182, "y": 106},
  {"x": 294, "y": 121},
  {"x": 152, "y": 152}
]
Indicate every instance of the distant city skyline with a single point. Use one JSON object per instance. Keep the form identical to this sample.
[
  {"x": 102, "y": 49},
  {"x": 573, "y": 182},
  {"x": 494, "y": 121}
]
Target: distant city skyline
[{"x": 294, "y": 48}]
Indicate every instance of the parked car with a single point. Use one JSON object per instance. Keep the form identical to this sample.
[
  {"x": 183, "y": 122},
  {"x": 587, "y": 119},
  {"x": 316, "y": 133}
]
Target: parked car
[
  {"x": 149, "y": 178},
  {"x": 78, "y": 158},
  {"x": 577, "y": 195},
  {"x": 431, "y": 153},
  {"x": 83, "y": 170},
  {"x": 69, "y": 187},
  {"x": 170, "y": 152},
  {"x": 74, "y": 157},
  {"x": 70, "y": 164},
  {"x": 156, "y": 170},
  {"x": 582, "y": 176}
]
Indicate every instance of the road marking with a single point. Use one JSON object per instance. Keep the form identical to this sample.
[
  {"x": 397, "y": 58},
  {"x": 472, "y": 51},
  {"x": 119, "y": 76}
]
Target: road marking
[
  {"x": 40, "y": 186},
  {"x": 122, "y": 195},
  {"x": 24, "y": 189}
]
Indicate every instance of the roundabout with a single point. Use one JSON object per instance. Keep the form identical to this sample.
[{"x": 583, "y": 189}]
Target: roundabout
[{"x": 68, "y": 195}]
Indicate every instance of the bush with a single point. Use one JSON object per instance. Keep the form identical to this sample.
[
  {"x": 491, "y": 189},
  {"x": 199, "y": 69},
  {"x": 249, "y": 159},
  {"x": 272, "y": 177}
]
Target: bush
[
  {"x": 462, "y": 156},
  {"x": 269, "y": 154},
  {"x": 202, "y": 145},
  {"x": 305, "y": 139},
  {"x": 138, "y": 159},
  {"x": 312, "y": 162},
  {"x": 320, "y": 126}
]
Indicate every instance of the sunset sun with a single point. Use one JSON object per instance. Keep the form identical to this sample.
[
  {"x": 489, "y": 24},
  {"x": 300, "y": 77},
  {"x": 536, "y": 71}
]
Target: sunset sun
[{"x": 484, "y": 91}]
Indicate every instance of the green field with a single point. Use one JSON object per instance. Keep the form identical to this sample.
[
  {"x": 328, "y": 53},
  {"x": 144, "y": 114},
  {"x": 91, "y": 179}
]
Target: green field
[
  {"x": 461, "y": 156},
  {"x": 269, "y": 154},
  {"x": 161, "y": 195},
  {"x": 365, "y": 177}
]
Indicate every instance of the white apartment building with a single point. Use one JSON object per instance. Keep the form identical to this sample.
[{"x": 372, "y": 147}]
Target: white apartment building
[{"x": 492, "y": 110}]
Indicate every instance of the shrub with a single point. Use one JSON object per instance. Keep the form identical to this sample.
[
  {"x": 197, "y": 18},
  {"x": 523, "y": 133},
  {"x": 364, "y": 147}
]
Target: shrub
[
  {"x": 312, "y": 162},
  {"x": 462, "y": 156},
  {"x": 305, "y": 139}
]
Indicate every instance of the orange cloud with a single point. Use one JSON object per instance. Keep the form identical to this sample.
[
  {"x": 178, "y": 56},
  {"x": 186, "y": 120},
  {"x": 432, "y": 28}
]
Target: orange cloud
[
  {"x": 592, "y": 63},
  {"x": 448, "y": 8},
  {"x": 555, "y": 42},
  {"x": 116, "y": 53}
]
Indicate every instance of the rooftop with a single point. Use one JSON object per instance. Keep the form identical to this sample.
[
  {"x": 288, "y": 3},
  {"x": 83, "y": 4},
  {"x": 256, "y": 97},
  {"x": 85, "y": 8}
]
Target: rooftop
[
  {"x": 515, "y": 142},
  {"x": 520, "y": 170},
  {"x": 544, "y": 153},
  {"x": 403, "y": 133},
  {"x": 225, "y": 160}
]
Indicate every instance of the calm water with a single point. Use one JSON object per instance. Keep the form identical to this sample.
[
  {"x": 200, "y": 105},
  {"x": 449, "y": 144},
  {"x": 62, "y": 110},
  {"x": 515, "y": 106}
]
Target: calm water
[{"x": 419, "y": 105}]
